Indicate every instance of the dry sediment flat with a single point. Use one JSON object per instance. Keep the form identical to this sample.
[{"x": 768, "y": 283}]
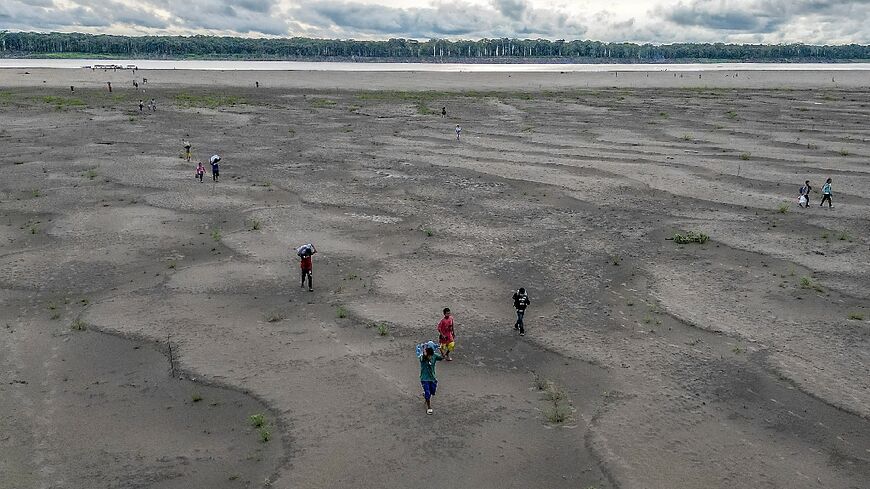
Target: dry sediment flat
[{"x": 729, "y": 364}]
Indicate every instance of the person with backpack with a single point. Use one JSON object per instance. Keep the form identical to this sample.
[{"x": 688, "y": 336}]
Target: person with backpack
[
  {"x": 305, "y": 253},
  {"x": 427, "y": 375},
  {"x": 521, "y": 301},
  {"x": 826, "y": 194},
  {"x": 215, "y": 168},
  {"x": 186, "y": 144},
  {"x": 804, "y": 199}
]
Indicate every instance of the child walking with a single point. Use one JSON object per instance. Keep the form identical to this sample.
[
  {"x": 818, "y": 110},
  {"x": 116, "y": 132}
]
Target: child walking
[
  {"x": 446, "y": 335},
  {"x": 458, "y": 131},
  {"x": 200, "y": 171},
  {"x": 427, "y": 375},
  {"x": 826, "y": 194},
  {"x": 305, "y": 253}
]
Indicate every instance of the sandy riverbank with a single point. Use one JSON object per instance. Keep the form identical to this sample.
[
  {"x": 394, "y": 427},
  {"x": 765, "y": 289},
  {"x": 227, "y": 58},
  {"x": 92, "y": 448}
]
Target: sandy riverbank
[
  {"x": 420, "y": 81},
  {"x": 741, "y": 362}
]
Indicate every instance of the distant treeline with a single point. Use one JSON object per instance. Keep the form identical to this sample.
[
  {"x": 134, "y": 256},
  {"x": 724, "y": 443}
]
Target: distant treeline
[{"x": 502, "y": 50}]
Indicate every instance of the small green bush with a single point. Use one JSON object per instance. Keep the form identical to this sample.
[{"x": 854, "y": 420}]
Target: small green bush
[
  {"x": 783, "y": 208},
  {"x": 383, "y": 330},
  {"x": 79, "y": 325},
  {"x": 341, "y": 312},
  {"x": 691, "y": 237},
  {"x": 856, "y": 316},
  {"x": 257, "y": 420},
  {"x": 265, "y": 434}
]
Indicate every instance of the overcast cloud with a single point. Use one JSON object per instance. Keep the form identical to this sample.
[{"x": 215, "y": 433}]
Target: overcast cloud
[{"x": 662, "y": 21}]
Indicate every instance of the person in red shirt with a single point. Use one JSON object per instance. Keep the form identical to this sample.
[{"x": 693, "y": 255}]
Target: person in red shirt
[
  {"x": 307, "y": 266},
  {"x": 446, "y": 335}
]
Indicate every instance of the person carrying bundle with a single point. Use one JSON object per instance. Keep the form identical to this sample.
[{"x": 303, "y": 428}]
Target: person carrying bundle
[{"x": 305, "y": 252}]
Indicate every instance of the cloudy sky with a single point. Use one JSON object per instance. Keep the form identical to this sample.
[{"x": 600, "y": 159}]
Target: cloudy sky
[{"x": 660, "y": 21}]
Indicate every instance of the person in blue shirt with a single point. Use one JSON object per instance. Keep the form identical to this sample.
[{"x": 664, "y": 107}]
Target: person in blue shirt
[{"x": 826, "y": 194}]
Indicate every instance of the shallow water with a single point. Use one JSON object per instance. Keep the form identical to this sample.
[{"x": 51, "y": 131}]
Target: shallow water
[{"x": 149, "y": 64}]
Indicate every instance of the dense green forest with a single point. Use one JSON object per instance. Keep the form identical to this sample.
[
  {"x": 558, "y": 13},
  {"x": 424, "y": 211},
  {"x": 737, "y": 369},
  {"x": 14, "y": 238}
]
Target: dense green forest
[{"x": 21, "y": 44}]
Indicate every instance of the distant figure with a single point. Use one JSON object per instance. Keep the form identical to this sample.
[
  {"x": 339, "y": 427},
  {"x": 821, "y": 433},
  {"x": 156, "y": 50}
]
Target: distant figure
[
  {"x": 257, "y": 84},
  {"x": 443, "y": 112},
  {"x": 200, "y": 170},
  {"x": 427, "y": 375},
  {"x": 153, "y": 105},
  {"x": 186, "y": 149},
  {"x": 305, "y": 253},
  {"x": 826, "y": 194},
  {"x": 72, "y": 89},
  {"x": 135, "y": 84},
  {"x": 804, "y": 199},
  {"x": 109, "y": 84},
  {"x": 446, "y": 335},
  {"x": 141, "y": 105},
  {"x": 215, "y": 168},
  {"x": 521, "y": 301},
  {"x": 144, "y": 81},
  {"x": 458, "y": 131}
]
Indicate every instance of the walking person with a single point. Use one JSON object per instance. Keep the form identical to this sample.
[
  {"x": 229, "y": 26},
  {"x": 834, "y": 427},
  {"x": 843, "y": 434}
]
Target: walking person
[
  {"x": 804, "y": 199},
  {"x": 443, "y": 112},
  {"x": 186, "y": 149},
  {"x": 427, "y": 375},
  {"x": 153, "y": 105},
  {"x": 215, "y": 168},
  {"x": 141, "y": 105},
  {"x": 826, "y": 194},
  {"x": 458, "y": 131},
  {"x": 200, "y": 171},
  {"x": 446, "y": 335},
  {"x": 521, "y": 302},
  {"x": 306, "y": 265}
]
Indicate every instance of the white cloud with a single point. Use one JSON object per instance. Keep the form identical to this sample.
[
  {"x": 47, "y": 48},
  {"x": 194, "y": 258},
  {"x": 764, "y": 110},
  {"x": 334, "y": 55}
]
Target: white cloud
[{"x": 809, "y": 21}]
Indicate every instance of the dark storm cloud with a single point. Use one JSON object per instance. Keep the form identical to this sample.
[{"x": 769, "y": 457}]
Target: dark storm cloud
[
  {"x": 501, "y": 18},
  {"x": 760, "y": 16},
  {"x": 512, "y": 9}
]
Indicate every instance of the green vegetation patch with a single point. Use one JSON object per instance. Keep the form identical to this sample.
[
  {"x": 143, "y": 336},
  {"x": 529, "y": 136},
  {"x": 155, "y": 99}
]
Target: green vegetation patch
[
  {"x": 208, "y": 101},
  {"x": 61, "y": 103},
  {"x": 691, "y": 237}
]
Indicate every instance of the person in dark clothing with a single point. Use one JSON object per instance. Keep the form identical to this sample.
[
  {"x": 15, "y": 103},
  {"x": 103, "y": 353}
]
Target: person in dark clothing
[
  {"x": 215, "y": 168},
  {"x": 805, "y": 194},
  {"x": 443, "y": 111},
  {"x": 521, "y": 301}
]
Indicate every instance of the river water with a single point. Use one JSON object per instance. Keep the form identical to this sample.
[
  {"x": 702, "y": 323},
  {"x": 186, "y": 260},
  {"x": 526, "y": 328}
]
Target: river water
[{"x": 149, "y": 64}]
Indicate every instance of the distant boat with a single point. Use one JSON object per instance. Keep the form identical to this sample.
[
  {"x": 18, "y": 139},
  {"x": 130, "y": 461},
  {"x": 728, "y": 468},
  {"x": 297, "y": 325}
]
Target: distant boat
[{"x": 112, "y": 67}]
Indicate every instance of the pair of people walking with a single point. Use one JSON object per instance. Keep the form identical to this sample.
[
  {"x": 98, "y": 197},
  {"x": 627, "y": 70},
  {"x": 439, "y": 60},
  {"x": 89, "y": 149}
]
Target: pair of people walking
[
  {"x": 827, "y": 193},
  {"x": 428, "y": 357}
]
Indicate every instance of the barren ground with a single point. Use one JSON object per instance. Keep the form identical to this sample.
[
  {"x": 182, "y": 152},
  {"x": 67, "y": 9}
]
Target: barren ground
[{"x": 741, "y": 362}]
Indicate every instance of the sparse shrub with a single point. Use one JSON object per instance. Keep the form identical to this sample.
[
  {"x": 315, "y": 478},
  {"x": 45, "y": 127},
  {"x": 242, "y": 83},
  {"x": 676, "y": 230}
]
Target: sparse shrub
[
  {"x": 539, "y": 382},
  {"x": 737, "y": 349},
  {"x": 90, "y": 174},
  {"x": 615, "y": 260},
  {"x": 275, "y": 317},
  {"x": 745, "y": 156},
  {"x": 35, "y": 193},
  {"x": 383, "y": 330},
  {"x": 783, "y": 208},
  {"x": 257, "y": 420},
  {"x": 557, "y": 414},
  {"x": 856, "y": 316},
  {"x": 554, "y": 393},
  {"x": 844, "y": 152},
  {"x": 79, "y": 325},
  {"x": 195, "y": 398},
  {"x": 172, "y": 264},
  {"x": 806, "y": 283},
  {"x": 691, "y": 237},
  {"x": 428, "y": 232},
  {"x": 341, "y": 312},
  {"x": 844, "y": 236},
  {"x": 265, "y": 434},
  {"x": 255, "y": 224},
  {"x": 216, "y": 234},
  {"x": 731, "y": 114}
]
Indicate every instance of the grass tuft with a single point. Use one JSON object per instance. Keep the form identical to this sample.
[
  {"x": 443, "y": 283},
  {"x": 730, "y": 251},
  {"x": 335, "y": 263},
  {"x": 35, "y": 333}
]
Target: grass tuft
[
  {"x": 856, "y": 316},
  {"x": 691, "y": 237},
  {"x": 78, "y": 325},
  {"x": 783, "y": 208},
  {"x": 275, "y": 317},
  {"x": 216, "y": 234},
  {"x": 255, "y": 224},
  {"x": 341, "y": 312},
  {"x": 195, "y": 398},
  {"x": 265, "y": 434},
  {"x": 257, "y": 420},
  {"x": 745, "y": 155},
  {"x": 383, "y": 330}
]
